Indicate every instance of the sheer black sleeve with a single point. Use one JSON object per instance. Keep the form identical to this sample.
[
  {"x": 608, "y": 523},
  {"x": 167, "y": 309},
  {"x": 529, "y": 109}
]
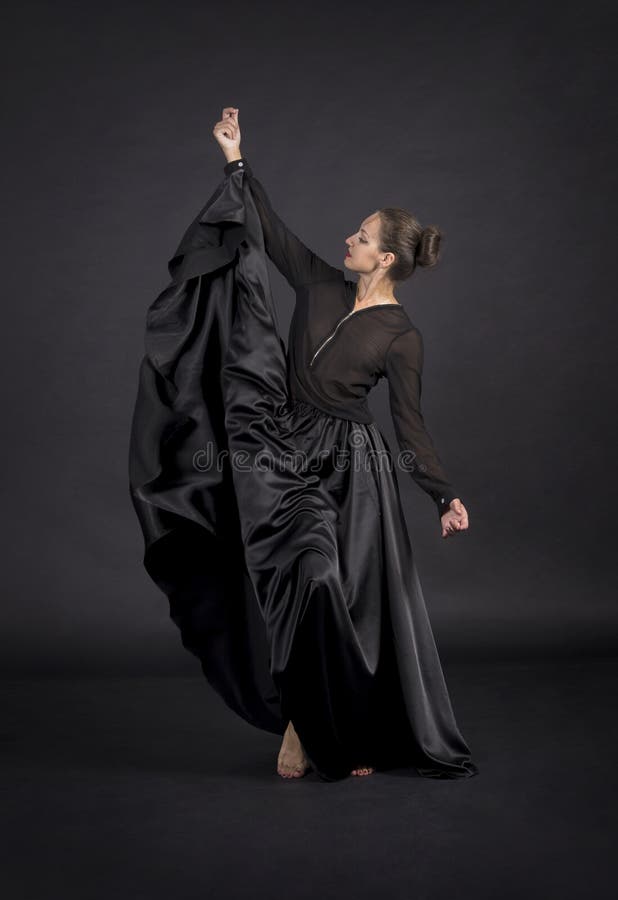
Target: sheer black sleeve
[
  {"x": 296, "y": 262},
  {"x": 404, "y": 368}
]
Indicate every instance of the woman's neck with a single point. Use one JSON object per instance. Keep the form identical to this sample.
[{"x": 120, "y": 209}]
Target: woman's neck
[{"x": 368, "y": 298}]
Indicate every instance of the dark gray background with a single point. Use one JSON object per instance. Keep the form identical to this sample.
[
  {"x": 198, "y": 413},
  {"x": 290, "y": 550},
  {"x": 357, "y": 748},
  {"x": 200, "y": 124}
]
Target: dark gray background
[{"x": 494, "y": 120}]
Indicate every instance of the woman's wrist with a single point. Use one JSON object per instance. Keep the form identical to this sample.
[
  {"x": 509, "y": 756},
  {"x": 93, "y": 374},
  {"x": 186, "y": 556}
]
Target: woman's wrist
[{"x": 232, "y": 155}]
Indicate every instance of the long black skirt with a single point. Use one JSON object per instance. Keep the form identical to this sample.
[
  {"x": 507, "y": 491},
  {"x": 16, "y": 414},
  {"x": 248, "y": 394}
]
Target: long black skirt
[{"x": 276, "y": 529}]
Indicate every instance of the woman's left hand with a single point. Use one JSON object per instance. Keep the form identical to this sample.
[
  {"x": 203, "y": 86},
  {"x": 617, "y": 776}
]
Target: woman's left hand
[{"x": 455, "y": 519}]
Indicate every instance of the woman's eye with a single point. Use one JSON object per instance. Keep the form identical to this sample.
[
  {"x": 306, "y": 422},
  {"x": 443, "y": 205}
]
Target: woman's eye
[{"x": 362, "y": 241}]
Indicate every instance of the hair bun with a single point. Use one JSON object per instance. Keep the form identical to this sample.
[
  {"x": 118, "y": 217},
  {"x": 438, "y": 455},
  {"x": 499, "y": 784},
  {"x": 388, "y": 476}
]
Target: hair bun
[{"x": 428, "y": 247}]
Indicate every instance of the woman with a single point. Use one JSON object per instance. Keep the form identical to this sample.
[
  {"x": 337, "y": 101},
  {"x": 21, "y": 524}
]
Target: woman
[{"x": 352, "y": 677}]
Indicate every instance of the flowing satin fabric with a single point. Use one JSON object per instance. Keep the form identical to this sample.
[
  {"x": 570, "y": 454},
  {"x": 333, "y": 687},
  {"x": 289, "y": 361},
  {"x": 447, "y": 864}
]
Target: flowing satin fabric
[{"x": 289, "y": 575}]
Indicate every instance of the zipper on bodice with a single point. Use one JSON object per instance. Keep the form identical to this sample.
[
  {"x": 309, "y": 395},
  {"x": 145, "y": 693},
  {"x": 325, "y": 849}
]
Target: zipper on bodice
[{"x": 331, "y": 335}]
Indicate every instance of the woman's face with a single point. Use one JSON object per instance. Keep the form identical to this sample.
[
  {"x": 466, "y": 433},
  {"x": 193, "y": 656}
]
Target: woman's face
[{"x": 363, "y": 255}]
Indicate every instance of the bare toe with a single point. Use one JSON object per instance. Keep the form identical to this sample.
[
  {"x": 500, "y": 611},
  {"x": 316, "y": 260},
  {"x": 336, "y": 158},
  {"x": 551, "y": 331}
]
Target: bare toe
[{"x": 362, "y": 770}]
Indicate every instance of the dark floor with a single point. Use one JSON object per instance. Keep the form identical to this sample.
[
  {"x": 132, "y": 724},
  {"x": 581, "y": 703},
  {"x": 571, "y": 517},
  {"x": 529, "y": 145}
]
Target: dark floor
[{"x": 150, "y": 787}]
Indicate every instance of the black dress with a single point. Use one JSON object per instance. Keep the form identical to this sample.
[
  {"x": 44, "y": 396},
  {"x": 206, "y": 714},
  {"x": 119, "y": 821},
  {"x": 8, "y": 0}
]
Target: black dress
[{"x": 268, "y": 496}]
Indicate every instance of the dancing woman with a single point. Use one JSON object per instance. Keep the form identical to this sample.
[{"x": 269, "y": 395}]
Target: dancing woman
[{"x": 348, "y": 670}]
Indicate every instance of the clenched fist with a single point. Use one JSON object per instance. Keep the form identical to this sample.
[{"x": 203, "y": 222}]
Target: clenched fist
[{"x": 227, "y": 133}]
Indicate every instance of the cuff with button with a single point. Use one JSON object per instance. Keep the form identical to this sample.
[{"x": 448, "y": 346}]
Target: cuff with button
[{"x": 236, "y": 164}]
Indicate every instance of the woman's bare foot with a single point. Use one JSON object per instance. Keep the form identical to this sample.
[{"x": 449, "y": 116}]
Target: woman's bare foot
[
  {"x": 362, "y": 770},
  {"x": 292, "y": 761}
]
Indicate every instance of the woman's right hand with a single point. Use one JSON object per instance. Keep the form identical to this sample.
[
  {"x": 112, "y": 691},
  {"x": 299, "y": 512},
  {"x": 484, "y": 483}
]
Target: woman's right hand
[
  {"x": 227, "y": 133},
  {"x": 455, "y": 519}
]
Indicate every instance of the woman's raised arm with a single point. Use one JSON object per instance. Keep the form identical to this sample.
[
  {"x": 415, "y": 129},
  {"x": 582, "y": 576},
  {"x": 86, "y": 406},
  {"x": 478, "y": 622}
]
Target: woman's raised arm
[{"x": 296, "y": 262}]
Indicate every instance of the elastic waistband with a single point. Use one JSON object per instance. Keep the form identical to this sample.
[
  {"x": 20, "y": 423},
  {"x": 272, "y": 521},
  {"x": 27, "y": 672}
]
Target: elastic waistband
[{"x": 294, "y": 403}]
